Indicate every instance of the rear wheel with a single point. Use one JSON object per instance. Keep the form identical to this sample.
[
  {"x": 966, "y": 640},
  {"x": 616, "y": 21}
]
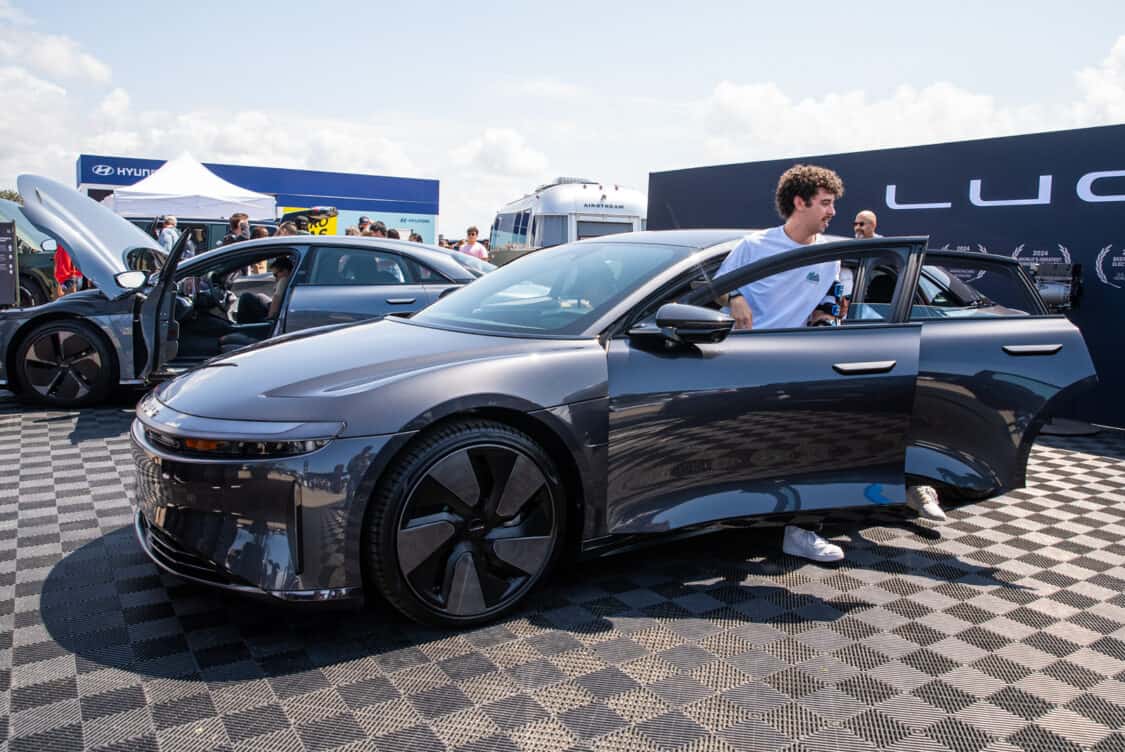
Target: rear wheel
[
  {"x": 465, "y": 524},
  {"x": 64, "y": 363}
]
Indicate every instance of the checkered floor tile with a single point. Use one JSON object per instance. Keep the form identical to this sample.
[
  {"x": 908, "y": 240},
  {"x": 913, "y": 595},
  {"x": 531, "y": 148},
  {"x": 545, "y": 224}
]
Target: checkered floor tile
[{"x": 1003, "y": 629}]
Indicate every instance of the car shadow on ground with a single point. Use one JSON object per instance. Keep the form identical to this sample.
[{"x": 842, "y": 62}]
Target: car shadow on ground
[
  {"x": 110, "y": 607},
  {"x": 106, "y": 421}
]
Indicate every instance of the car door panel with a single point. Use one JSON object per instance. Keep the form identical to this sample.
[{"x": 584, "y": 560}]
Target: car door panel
[
  {"x": 764, "y": 422},
  {"x": 317, "y": 305},
  {"x": 985, "y": 387}
]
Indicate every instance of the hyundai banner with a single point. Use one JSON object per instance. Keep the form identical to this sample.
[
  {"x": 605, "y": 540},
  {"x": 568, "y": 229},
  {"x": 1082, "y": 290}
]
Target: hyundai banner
[{"x": 1050, "y": 197}]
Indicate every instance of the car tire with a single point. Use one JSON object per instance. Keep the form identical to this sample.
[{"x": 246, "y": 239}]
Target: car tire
[
  {"x": 64, "y": 364},
  {"x": 464, "y": 524},
  {"x": 31, "y": 292}
]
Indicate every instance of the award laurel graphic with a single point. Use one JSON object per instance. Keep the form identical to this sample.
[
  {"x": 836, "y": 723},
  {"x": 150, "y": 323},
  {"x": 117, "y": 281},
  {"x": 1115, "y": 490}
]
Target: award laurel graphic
[{"x": 1101, "y": 272}]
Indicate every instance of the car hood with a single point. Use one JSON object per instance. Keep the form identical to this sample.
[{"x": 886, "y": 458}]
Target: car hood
[
  {"x": 379, "y": 377},
  {"x": 97, "y": 240}
]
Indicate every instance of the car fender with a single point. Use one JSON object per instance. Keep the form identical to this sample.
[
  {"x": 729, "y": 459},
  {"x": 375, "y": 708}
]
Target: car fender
[{"x": 112, "y": 319}]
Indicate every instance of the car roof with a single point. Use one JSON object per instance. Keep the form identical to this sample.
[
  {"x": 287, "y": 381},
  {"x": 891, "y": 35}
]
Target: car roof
[{"x": 436, "y": 257}]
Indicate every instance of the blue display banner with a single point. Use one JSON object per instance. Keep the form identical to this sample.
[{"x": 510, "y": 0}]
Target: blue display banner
[
  {"x": 1048, "y": 197},
  {"x": 363, "y": 193}
]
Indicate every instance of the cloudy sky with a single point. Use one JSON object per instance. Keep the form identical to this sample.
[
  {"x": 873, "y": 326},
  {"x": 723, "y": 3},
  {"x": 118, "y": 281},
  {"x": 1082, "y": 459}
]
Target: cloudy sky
[{"x": 496, "y": 97}]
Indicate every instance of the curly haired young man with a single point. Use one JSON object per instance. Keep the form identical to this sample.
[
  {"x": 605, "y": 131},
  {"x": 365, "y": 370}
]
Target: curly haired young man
[{"x": 806, "y": 200}]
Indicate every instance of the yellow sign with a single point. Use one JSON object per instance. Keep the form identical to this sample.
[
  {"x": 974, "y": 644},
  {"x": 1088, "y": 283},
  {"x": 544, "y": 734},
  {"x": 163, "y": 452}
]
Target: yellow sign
[{"x": 322, "y": 226}]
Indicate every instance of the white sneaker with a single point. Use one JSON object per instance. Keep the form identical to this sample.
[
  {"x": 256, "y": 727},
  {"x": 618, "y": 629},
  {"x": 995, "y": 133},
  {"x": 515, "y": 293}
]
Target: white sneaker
[
  {"x": 808, "y": 545},
  {"x": 924, "y": 501}
]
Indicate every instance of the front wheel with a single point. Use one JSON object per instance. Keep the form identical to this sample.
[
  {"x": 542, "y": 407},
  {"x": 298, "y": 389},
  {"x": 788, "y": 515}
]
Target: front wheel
[
  {"x": 465, "y": 524},
  {"x": 65, "y": 364}
]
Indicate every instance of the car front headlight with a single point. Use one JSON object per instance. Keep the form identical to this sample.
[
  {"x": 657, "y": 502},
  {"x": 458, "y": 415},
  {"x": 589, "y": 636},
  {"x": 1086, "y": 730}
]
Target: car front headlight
[{"x": 227, "y": 448}]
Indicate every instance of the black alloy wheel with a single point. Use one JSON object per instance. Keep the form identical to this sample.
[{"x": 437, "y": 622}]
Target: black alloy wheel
[
  {"x": 64, "y": 363},
  {"x": 466, "y": 524}
]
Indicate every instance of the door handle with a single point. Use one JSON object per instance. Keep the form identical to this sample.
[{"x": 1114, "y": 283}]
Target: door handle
[
  {"x": 861, "y": 368},
  {"x": 1032, "y": 349},
  {"x": 400, "y": 301}
]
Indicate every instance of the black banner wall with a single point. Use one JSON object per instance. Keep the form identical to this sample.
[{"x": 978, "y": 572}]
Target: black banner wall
[{"x": 1049, "y": 197}]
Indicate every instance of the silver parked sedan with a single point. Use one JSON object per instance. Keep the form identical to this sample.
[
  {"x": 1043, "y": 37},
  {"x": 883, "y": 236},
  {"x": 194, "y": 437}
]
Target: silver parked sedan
[{"x": 151, "y": 314}]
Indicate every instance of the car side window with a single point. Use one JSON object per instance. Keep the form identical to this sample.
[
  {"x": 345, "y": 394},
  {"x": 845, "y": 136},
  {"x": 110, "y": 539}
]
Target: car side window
[
  {"x": 849, "y": 290},
  {"x": 424, "y": 274},
  {"x": 953, "y": 287},
  {"x": 359, "y": 266}
]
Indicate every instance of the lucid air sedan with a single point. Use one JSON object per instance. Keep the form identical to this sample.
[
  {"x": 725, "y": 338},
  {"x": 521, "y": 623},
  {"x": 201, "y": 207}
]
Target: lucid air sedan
[
  {"x": 586, "y": 398},
  {"x": 150, "y": 315}
]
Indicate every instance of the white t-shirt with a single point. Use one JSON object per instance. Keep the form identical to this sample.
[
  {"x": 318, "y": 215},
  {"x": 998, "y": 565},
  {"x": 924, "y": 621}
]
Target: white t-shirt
[{"x": 784, "y": 300}]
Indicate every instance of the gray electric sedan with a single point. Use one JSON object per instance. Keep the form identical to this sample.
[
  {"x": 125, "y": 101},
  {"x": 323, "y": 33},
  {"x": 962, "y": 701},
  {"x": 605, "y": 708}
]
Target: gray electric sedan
[
  {"x": 149, "y": 316},
  {"x": 586, "y": 398}
]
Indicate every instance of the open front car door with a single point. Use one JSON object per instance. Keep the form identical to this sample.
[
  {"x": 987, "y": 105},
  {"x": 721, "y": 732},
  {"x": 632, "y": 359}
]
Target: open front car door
[
  {"x": 767, "y": 421},
  {"x": 157, "y": 314}
]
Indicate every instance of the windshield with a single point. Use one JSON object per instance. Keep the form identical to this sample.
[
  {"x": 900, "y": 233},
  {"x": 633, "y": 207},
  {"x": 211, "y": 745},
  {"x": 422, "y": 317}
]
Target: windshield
[
  {"x": 559, "y": 291},
  {"x": 477, "y": 267}
]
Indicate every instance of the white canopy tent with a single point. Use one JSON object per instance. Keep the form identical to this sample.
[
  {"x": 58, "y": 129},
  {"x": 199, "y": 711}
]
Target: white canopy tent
[{"x": 185, "y": 188}]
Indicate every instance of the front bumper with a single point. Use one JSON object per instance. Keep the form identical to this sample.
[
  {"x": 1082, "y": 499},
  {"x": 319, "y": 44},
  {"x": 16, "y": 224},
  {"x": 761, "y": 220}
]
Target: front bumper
[
  {"x": 167, "y": 554},
  {"x": 288, "y": 528}
]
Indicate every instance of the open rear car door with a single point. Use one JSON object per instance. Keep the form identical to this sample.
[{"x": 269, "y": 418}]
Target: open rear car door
[{"x": 994, "y": 365}]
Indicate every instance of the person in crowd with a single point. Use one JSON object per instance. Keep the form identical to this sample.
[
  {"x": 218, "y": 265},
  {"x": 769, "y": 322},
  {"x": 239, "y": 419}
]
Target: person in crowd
[
  {"x": 282, "y": 267},
  {"x": 415, "y": 237},
  {"x": 806, "y": 200},
  {"x": 378, "y": 229},
  {"x": 353, "y": 232},
  {"x": 169, "y": 234},
  {"x": 287, "y": 228},
  {"x": 195, "y": 242},
  {"x": 67, "y": 275},
  {"x": 363, "y": 224},
  {"x": 302, "y": 225},
  {"x": 258, "y": 267},
  {"x": 392, "y": 233},
  {"x": 239, "y": 229},
  {"x": 865, "y": 223},
  {"x": 471, "y": 246}
]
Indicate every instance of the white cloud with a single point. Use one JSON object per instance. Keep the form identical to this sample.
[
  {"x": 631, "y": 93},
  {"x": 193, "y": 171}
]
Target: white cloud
[
  {"x": 115, "y": 105},
  {"x": 746, "y": 121},
  {"x": 51, "y": 55},
  {"x": 1103, "y": 89},
  {"x": 34, "y": 134},
  {"x": 500, "y": 151}
]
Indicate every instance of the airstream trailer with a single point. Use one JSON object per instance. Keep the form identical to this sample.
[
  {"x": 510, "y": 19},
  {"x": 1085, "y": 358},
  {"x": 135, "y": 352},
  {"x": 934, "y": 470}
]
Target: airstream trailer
[{"x": 565, "y": 210}]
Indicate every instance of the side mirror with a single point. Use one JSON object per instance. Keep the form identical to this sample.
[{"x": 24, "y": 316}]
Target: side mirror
[
  {"x": 686, "y": 324},
  {"x": 131, "y": 280},
  {"x": 49, "y": 245}
]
